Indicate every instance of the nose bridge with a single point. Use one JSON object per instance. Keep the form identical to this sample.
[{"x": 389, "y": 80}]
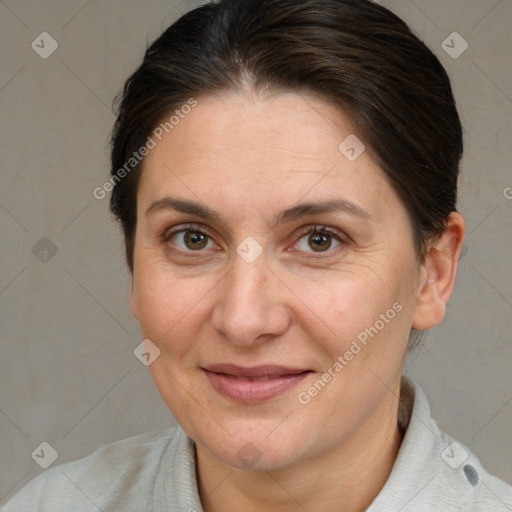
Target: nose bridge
[
  {"x": 245, "y": 293},
  {"x": 248, "y": 305}
]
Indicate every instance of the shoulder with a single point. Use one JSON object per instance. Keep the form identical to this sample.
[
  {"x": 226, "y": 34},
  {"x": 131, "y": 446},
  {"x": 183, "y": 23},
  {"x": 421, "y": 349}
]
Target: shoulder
[
  {"x": 433, "y": 471},
  {"x": 462, "y": 479},
  {"x": 108, "y": 476},
  {"x": 457, "y": 478}
]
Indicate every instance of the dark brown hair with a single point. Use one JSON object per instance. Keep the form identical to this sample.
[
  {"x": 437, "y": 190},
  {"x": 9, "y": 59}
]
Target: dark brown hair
[{"x": 355, "y": 54}]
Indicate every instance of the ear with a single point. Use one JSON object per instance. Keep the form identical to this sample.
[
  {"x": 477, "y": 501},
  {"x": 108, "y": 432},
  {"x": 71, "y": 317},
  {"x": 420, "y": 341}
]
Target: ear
[
  {"x": 133, "y": 302},
  {"x": 438, "y": 273}
]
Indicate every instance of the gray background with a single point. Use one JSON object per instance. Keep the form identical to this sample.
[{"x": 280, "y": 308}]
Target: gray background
[{"x": 68, "y": 375}]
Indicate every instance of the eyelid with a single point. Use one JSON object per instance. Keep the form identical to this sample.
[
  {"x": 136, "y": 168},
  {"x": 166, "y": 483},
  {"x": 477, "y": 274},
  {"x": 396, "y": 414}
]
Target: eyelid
[
  {"x": 321, "y": 228},
  {"x": 185, "y": 227},
  {"x": 340, "y": 236}
]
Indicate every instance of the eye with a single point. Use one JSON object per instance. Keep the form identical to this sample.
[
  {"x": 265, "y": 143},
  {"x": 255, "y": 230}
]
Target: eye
[
  {"x": 320, "y": 239},
  {"x": 188, "y": 238}
]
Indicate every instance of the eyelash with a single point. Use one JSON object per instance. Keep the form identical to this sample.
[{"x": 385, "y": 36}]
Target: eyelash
[{"x": 310, "y": 230}]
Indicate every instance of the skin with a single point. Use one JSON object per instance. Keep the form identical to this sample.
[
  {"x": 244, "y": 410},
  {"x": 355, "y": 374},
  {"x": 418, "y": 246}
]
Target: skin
[{"x": 248, "y": 158}]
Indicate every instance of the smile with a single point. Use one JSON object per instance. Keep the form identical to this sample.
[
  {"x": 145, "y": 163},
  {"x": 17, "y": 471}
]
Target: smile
[{"x": 253, "y": 385}]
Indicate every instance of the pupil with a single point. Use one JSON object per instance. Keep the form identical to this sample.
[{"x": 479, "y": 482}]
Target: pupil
[
  {"x": 194, "y": 238},
  {"x": 319, "y": 238}
]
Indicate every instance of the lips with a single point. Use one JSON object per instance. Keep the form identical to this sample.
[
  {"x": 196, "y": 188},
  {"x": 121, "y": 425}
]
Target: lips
[{"x": 253, "y": 384}]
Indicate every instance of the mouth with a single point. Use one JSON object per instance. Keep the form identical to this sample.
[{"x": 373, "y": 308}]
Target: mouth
[{"x": 252, "y": 385}]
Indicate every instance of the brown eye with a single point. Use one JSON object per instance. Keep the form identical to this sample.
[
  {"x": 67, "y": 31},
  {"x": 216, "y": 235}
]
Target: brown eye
[
  {"x": 319, "y": 242},
  {"x": 188, "y": 239},
  {"x": 195, "y": 240},
  {"x": 319, "y": 239}
]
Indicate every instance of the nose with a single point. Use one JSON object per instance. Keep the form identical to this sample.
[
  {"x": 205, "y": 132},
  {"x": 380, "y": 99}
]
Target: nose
[{"x": 251, "y": 304}]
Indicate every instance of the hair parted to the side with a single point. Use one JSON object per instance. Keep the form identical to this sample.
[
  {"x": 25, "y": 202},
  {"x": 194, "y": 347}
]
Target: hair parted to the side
[{"x": 354, "y": 54}]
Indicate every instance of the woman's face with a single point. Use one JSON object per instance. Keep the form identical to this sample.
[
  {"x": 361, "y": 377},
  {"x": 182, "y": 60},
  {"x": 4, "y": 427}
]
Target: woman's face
[{"x": 276, "y": 345}]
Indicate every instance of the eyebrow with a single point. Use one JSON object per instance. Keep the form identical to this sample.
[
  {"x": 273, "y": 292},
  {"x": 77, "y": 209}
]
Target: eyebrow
[
  {"x": 183, "y": 206},
  {"x": 289, "y": 215},
  {"x": 319, "y": 207}
]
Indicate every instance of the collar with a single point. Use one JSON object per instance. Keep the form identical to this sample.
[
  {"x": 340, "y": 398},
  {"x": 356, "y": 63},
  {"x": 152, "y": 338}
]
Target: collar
[{"x": 431, "y": 469}]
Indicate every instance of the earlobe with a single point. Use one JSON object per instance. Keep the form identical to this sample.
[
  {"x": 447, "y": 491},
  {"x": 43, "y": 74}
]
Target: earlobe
[{"x": 438, "y": 275}]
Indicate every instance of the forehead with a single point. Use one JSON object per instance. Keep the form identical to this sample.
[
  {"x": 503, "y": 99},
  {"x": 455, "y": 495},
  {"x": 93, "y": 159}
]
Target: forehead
[
  {"x": 242, "y": 123},
  {"x": 268, "y": 149}
]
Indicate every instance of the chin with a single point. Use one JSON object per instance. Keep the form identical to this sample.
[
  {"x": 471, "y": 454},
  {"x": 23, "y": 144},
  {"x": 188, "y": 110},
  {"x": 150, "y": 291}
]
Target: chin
[{"x": 256, "y": 445}]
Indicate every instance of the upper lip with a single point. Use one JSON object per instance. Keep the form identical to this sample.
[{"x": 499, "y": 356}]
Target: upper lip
[{"x": 253, "y": 371}]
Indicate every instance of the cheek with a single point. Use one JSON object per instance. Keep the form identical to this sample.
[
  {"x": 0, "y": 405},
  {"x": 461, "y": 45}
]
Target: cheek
[
  {"x": 168, "y": 306},
  {"x": 352, "y": 300},
  {"x": 363, "y": 311}
]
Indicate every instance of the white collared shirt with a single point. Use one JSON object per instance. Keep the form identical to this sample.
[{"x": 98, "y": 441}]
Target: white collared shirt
[{"x": 155, "y": 472}]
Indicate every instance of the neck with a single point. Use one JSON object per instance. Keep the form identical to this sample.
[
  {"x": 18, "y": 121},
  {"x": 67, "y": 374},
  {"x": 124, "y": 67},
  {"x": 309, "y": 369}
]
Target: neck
[{"x": 346, "y": 478}]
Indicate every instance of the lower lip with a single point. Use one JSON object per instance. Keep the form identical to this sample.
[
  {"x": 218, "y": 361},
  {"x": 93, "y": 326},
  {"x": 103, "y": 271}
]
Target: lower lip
[{"x": 253, "y": 392}]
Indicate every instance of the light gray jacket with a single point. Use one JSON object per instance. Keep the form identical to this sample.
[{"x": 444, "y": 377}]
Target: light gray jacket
[{"x": 155, "y": 472}]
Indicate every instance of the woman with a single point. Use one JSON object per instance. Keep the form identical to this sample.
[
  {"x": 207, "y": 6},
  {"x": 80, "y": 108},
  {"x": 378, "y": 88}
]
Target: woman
[{"x": 285, "y": 174}]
